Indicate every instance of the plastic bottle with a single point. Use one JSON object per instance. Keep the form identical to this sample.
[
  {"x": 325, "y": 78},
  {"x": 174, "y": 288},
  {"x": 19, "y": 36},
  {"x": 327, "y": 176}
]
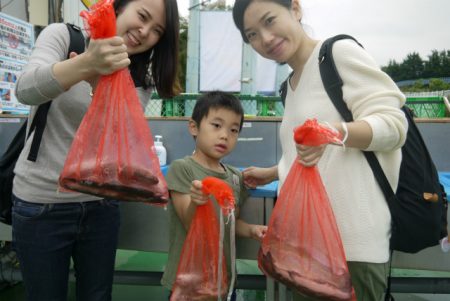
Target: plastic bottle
[{"x": 160, "y": 150}]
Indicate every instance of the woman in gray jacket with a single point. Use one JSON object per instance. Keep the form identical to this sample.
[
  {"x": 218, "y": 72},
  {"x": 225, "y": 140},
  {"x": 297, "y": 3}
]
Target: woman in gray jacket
[{"x": 51, "y": 227}]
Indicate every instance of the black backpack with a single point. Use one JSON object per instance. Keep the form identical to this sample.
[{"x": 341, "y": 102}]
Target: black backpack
[
  {"x": 416, "y": 223},
  {"x": 9, "y": 158}
]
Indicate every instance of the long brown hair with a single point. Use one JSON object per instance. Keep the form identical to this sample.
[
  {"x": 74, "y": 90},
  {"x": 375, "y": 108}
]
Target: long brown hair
[{"x": 162, "y": 58}]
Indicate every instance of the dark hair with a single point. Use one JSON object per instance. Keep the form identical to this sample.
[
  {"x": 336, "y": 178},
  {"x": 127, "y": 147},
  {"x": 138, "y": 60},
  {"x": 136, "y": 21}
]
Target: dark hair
[
  {"x": 217, "y": 100},
  {"x": 240, "y": 6},
  {"x": 163, "y": 57}
]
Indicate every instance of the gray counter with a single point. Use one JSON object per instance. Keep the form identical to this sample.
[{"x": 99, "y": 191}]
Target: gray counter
[{"x": 144, "y": 227}]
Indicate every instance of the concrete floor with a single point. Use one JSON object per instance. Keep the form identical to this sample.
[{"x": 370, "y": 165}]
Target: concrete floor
[
  {"x": 147, "y": 261},
  {"x": 138, "y": 261}
]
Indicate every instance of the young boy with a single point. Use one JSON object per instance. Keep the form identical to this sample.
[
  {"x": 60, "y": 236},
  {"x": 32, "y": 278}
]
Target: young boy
[{"x": 215, "y": 125}]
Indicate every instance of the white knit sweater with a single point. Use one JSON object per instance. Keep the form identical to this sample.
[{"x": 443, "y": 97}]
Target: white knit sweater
[{"x": 358, "y": 204}]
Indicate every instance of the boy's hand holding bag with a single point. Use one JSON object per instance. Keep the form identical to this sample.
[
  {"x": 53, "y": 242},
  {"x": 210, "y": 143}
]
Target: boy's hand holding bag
[
  {"x": 112, "y": 154},
  {"x": 202, "y": 271}
]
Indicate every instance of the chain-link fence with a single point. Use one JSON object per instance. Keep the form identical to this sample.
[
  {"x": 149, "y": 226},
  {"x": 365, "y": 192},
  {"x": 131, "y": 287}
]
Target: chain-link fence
[
  {"x": 182, "y": 105},
  {"x": 428, "y": 93},
  {"x": 424, "y": 106}
]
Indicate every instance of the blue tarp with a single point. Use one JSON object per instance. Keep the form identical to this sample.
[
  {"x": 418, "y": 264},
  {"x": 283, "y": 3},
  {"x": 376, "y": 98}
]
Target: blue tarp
[
  {"x": 270, "y": 190},
  {"x": 444, "y": 178}
]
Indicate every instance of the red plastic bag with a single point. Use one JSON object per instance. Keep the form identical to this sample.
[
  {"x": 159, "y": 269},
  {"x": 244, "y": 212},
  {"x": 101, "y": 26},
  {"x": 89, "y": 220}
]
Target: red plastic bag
[
  {"x": 302, "y": 247},
  {"x": 202, "y": 271},
  {"x": 112, "y": 154}
]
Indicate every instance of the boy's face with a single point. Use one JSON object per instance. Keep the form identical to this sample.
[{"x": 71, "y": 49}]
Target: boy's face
[{"x": 217, "y": 134}]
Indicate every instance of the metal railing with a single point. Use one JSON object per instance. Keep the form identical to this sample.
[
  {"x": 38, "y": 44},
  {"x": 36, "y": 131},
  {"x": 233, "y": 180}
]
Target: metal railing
[
  {"x": 429, "y": 107},
  {"x": 436, "y": 106}
]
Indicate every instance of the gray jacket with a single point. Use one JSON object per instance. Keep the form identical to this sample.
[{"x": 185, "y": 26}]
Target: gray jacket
[{"x": 38, "y": 181}]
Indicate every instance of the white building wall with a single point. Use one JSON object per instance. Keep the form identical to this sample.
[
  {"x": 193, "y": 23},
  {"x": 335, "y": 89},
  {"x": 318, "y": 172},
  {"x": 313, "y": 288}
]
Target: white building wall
[{"x": 38, "y": 12}]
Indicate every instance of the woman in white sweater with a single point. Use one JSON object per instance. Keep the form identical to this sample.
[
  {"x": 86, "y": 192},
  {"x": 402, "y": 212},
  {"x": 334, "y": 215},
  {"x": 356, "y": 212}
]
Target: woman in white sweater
[
  {"x": 273, "y": 28},
  {"x": 51, "y": 227}
]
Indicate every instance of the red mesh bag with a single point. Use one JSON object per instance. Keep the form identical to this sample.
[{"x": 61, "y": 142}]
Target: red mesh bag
[
  {"x": 112, "y": 154},
  {"x": 202, "y": 271},
  {"x": 302, "y": 247}
]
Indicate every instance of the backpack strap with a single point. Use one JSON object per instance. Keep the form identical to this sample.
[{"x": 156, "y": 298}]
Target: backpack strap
[
  {"x": 331, "y": 79},
  {"x": 77, "y": 45},
  {"x": 333, "y": 86},
  {"x": 283, "y": 88},
  {"x": 38, "y": 125},
  {"x": 332, "y": 74}
]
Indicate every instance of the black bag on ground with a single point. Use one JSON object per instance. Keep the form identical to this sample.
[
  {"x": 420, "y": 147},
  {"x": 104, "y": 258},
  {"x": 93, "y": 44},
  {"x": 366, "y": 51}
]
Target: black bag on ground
[
  {"x": 9, "y": 158},
  {"x": 419, "y": 206}
]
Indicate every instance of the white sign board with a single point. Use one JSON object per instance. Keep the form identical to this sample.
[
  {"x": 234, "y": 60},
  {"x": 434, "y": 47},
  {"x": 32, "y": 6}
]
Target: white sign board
[{"x": 221, "y": 56}]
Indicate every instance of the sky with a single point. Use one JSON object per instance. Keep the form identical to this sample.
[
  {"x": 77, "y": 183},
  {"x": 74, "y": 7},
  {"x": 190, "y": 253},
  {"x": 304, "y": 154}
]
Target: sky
[{"x": 388, "y": 29}]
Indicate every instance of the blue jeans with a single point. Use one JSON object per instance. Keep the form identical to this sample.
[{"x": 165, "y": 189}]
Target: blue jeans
[{"x": 47, "y": 236}]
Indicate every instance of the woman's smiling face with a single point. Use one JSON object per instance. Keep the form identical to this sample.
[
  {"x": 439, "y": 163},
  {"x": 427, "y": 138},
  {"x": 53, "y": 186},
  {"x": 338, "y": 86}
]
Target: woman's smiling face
[
  {"x": 141, "y": 23},
  {"x": 272, "y": 29}
]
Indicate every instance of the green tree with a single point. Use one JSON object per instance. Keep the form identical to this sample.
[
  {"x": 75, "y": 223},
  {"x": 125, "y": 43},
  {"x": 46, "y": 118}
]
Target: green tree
[
  {"x": 445, "y": 63},
  {"x": 433, "y": 66},
  {"x": 412, "y": 67},
  {"x": 393, "y": 69},
  {"x": 437, "y": 84},
  {"x": 418, "y": 86}
]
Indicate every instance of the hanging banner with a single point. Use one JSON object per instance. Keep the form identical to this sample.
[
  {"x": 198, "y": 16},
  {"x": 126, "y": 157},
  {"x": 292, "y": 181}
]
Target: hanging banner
[
  {"x": 220, "y": 52},
  {"x": 16, "y": 44},
  {"x": 221, "y": 56}
]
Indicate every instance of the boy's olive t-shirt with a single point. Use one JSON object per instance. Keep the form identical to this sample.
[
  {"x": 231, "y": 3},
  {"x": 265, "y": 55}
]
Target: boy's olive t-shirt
[{"x": 179, "y": 178}]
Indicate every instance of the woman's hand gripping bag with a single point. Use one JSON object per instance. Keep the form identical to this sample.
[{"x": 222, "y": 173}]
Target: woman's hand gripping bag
[
  {"x": 202, "y": 271},
  {"x": 302, "y": 247},
  {"x": 112, "y": 154}
]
